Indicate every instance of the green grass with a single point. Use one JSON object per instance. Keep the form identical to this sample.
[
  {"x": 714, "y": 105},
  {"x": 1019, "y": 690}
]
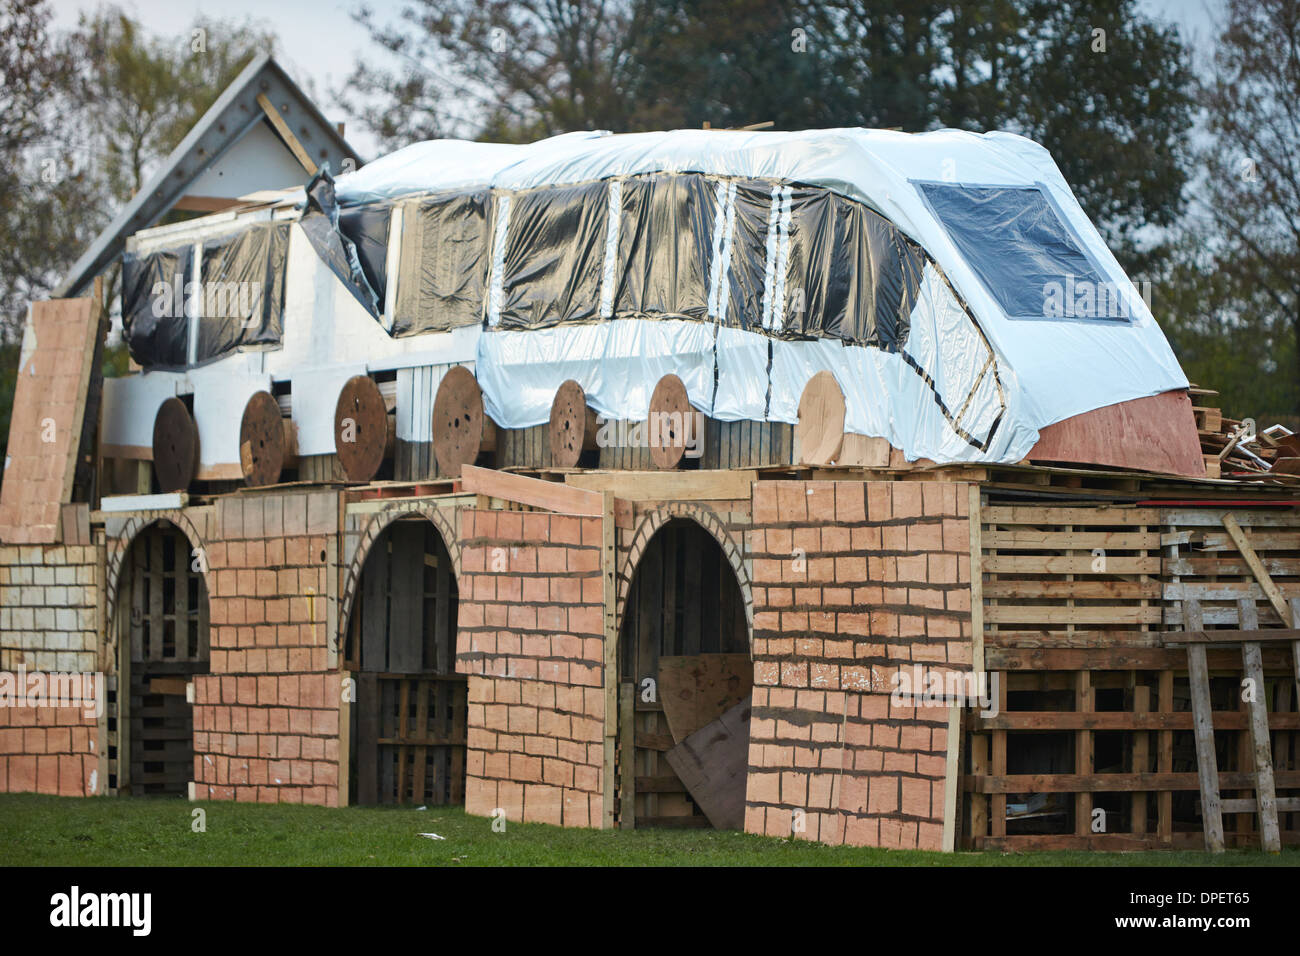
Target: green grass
[{"x": 116, "y": 831}]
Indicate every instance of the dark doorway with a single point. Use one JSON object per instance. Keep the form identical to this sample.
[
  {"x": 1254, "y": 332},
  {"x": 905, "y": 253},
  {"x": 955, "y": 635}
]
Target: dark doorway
[
  {"x": 685, "y": 666},
  {"x": 408, "y": 730},
  {"x": 163, "y": 600}
]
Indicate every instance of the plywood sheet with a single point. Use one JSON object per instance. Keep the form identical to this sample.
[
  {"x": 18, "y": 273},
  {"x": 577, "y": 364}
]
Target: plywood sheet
[
  {"x": 713, "y": 763},
  {"x": 45, "y": 430},
  {"x": 698, "y": 689},
  {"x": 1156, "y": 433}
]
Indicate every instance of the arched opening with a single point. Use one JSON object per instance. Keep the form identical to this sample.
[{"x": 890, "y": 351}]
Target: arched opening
[
  {"x": 162, "y": 630},
  {"x": 408, "y": 721},
  {"x": 686, "y": 677}
]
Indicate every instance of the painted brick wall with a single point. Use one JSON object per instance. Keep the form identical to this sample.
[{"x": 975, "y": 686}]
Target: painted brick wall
[
  {"x": 48, "y": 607},
  {"x": 266, "y": 720},
  {"x": 49, "y": 749},
  {"x": 851, "y": 581},
  {"x": 530, "y": 635}
]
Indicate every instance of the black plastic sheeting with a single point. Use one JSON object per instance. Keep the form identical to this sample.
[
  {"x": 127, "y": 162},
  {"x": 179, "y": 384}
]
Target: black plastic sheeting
[
  {"x": 366, "y": 227},
  {"x": 1015, "y": 242},
  {"x": 852, "y": 275},
  {"x": 665, "y": 246},
  {"x": 554, "y": 256},
  {"x": 743, "y": 308},
  {"x": 320, "y": 223},
  {"x": 154, "y": 306},
  {"x": 445, "y": 244},
  {"x": 243, "y": 290}
]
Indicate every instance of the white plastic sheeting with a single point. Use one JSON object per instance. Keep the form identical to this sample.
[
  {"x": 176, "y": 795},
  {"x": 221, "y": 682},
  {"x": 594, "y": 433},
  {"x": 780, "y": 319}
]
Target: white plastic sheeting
[{"x": 948, "y": 403}]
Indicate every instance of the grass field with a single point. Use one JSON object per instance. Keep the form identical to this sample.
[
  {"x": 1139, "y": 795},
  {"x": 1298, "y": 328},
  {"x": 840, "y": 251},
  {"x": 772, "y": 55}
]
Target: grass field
[{"x": 54, "y": 831}]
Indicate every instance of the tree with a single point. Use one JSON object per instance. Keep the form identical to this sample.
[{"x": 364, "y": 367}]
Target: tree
[
  {"x": 142, "y": 93},
  {"x": 1113, "y": 107},
  {"x": 1250, "y": 205}
]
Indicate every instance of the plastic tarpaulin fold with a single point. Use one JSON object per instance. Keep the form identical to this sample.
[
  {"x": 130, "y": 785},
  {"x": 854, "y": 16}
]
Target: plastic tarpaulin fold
[
  {"x": 665, "y": 234},
  {"x": 554, "y": 256},
  {"x": 155, "y": 303},
  {"x": 320, "y": 223},
  {"x": 444, "y": 262},
  {"x": 243, "y": 290},
  {"x": 366, "y": 227}
]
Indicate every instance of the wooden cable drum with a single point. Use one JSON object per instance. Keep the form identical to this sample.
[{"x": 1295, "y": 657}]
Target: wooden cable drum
[
  {"x": 573, "y": 425},
  {"x": 670, "y": 410},
  {"x": 461, "y": 429},
  {"x": 820, "y": 432},
  {"x": 175, "y": 446},
  {"x": 361, "y": 429},
  {"x": 264, "y": 440}
]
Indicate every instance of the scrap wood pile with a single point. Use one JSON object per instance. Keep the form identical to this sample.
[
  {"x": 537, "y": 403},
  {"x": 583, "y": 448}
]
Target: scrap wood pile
[{"x": 1241, "y": 449}]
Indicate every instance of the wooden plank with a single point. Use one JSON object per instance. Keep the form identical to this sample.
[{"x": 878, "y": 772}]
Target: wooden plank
[
  {"x": 1084, "y": 702},
  {"x": 285, "y": 133},
  {"x": 1106, "y": 720},
  {"x": 1071, "y": 564},
  {"x": 1165, "y": 759},
  {"x": 367, "y": 752},
  {"x": 1207, "y": 767},
  {"x": 1035, "y": 540},
  {"x": 1257, "y": 568},
  {"x": 993, "y": 784},
  {"x": 609, "y": 633},
  {"x": 977, "y": 568},
  {"x": 374, "y": 608},
  {"x": 534, "y": 492},
  {"x": 406, "y": 597},
  {"x": 952, "y": 778},
  {"x": 668, "y": 485},
  {"x": 697, "y": 690},
  {"x": 1065, "y": 515},
  {"x": 1261, "y": 745},
  {"x": 1230, "y": 635},
  {"x": 627, "y": 758},
  {"x": 1141, "y": 758},
  {"x": 1095, "y": 589},
  {"x": 1059, "y": 614},
  {"x": 713, "y": 764}
]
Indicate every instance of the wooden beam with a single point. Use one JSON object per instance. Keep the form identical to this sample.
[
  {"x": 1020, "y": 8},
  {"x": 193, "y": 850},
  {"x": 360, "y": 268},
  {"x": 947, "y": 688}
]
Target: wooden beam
[
  {"x": 285, "y": 133},
  {"x": 1257, "y": 568},
  {"x": 609, "y": 564},
  {"x": 976, "y": 580},
  {"x": 1261, "y": 745},
  {"x": 549, "y": 495},
  {"x": 667, "y": 485},
  {"x": 1207, "y": 767},
  {"x": 1230, "y": 636},
  {"x": 952, "y": 777}
]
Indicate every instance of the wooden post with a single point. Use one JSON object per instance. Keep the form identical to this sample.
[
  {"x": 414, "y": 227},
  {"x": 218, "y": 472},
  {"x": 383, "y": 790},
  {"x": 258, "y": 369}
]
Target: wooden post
[
  {"x": 952, "y": 777},
  {"x": 627, "y": 756},
  {"x": 1141, "y": 758},
  {"x": 1207, "y": 767},
  {"x": 1084, "y": 697},
  {"x": 609, "y": 571},
  {"x": 1261, "y": 746}
]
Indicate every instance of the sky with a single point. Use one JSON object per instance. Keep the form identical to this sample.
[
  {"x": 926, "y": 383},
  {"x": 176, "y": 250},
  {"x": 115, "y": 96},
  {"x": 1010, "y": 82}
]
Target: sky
[{"x": 320, "y": 43}]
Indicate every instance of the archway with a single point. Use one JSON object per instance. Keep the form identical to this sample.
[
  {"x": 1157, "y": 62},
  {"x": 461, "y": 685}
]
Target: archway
[
  {"x": 161, "y": 620},
  {"x": 409, "y": 720},
  {"x": 685, "y": 679}
]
